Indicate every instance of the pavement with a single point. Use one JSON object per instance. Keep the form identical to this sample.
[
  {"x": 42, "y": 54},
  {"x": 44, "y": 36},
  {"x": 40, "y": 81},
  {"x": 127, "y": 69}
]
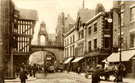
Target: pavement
[{"x": 18, "y": 80}]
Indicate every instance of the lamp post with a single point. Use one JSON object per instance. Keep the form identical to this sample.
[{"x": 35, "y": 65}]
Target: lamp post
[{"x": 118, "y": 11}]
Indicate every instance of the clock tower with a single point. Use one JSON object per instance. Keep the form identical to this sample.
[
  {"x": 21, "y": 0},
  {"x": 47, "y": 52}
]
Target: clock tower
[{"x": 42, "y": 32}]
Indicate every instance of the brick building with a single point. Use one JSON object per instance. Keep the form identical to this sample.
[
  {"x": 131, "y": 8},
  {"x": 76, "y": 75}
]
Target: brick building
[{"x": 126, "y": 14}]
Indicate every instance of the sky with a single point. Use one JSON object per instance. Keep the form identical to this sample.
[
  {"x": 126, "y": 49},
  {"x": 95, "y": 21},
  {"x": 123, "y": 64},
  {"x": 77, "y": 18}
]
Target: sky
[{"x": 48, "y": 10}]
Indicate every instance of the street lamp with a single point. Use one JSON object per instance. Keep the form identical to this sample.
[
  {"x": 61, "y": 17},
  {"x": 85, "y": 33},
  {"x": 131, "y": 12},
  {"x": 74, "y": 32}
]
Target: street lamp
[{"x": 118, "y": 11}]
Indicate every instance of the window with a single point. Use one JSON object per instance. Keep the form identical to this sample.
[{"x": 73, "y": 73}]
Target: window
[
  {"x": 106, "y": 24},
  {"x": 70, "y": 40},
  {"x": 122, "y": 18},
  {"x": 81, "y": 48},
  {"x": 106, "y": 42},
  {"x": 67, "y": 41},
  {"x": 89, "y": 30},
  {"x": 73, "y": 38},
  {"x": 95, "y": 27},
  {"x": 132, "y": 39},
  {"x": 67, "y": 52},
  {"x": 89, "y": 46},
  {"x": 70, "y": 50},
  {"x": 132, "y": 12},
  {"x": 95, "y": 43},
  {"x": 73, "y": 50},
  {"x": 81, "y": 34}
]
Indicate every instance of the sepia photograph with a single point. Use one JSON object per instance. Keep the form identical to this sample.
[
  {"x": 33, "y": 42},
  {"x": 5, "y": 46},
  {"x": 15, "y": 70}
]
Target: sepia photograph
[{"x": 67, "y": 41}]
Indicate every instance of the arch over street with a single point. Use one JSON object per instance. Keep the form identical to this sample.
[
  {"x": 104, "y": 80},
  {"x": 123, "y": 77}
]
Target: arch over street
[{"x": 55, "y": 50}]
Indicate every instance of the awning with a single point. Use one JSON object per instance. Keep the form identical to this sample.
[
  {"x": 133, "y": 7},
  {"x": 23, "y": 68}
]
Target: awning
[
  {"x": 77, "y": 59},
  {"x": 68, "y": 60},
  {"x": 125, "y": 56}
]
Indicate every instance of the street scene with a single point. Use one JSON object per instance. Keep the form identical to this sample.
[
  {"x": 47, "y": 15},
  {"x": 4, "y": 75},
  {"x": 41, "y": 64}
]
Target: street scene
[{"x": 67, "y": 41}]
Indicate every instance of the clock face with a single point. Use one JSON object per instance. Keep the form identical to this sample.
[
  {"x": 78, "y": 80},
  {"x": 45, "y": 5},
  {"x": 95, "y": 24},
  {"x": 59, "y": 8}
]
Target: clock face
[{"x": 42, "y": 29}]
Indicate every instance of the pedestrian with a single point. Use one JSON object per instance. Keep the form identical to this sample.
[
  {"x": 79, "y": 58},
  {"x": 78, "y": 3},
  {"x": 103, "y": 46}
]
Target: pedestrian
[
  {"x": 23, "y": 75},
  {"x": 78, "y": 70},
  {"x": 120, "y": 72},
  {"x": 30, "y": 70},
  {"x": 34, "y": 70},
  {"x": 17, "y": 71},
  {"x": 96, "y": 75}
]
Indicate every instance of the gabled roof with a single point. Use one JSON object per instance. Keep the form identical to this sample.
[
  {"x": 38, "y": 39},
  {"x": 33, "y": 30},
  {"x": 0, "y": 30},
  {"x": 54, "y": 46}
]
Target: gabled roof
[
  {"x": 28, "y": 14},
  {"x": 69, "y": 23},
  {"x": 85, "y": 14}
]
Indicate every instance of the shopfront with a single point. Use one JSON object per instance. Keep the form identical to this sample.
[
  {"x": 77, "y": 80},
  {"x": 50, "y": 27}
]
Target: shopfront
[
  {"x": 94, "y": 58},
  {"x": 67, "y": 64},
  {"x": 78, "y": 62},
  {"x": 127, "y": 58}
]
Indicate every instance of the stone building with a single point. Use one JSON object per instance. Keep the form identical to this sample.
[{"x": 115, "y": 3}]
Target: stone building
[
  {"x": 98, "y": 39},
  {"x": 65, "y": 23}
]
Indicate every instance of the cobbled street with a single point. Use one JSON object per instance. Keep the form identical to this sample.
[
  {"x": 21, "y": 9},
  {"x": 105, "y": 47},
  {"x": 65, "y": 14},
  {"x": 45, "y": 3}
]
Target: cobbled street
[{"x": 60, "y": 77}]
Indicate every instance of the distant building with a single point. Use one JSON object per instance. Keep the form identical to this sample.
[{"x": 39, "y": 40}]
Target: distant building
[{"x": 63, "y": 25}]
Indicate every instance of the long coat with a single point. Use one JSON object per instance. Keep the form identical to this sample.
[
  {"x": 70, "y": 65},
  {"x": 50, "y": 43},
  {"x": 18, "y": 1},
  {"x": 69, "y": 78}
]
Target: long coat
[
  {"x": 23, "y": 75},
  {"x": 96, "y": 76}
]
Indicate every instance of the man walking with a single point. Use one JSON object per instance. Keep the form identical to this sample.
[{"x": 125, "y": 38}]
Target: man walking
[
  {"x": 96, "y": 75},
  {"x": 23, "y": 75}
]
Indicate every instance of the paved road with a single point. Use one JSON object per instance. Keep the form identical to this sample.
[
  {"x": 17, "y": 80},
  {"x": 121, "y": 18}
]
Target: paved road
[{"x": 60, "y": 78}]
